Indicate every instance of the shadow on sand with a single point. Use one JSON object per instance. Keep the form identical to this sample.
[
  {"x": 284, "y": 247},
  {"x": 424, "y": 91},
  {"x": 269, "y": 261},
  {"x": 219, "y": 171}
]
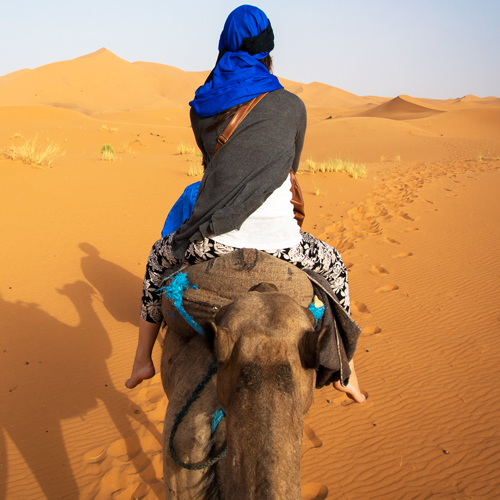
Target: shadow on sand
[{"x": 52, "y": 371}]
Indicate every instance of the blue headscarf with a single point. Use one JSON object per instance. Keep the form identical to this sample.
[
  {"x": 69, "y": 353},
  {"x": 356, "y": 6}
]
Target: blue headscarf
[{"x": 238, "y": 75}]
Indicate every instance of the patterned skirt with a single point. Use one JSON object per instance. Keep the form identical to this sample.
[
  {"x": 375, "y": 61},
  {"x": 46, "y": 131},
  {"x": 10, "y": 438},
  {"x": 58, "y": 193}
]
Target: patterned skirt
[{"x": 310, "y": 253}]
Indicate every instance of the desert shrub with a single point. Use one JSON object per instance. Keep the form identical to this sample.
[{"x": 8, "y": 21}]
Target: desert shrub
[
  {"x": 195, "y": 168},
  {"x": 30, "y": 153},
  {"x": 126, "y": 148},
  {"x": 107, "y": 153},
  {"x": 186, "y": 149},
  {"x": 355, "y": 170},
  {"x": 106, "y": 148}
]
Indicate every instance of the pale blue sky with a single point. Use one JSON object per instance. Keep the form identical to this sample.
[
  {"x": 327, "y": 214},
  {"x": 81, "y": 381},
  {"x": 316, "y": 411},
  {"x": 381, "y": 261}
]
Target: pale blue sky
[{"x": 424, "y": 48}]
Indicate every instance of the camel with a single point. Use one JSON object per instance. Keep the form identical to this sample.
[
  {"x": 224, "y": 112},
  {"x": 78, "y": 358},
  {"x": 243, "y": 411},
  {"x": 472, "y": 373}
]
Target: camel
[{"x": 266, "y": 353}]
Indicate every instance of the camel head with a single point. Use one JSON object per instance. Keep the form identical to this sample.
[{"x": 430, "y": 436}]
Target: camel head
[{"x": 267, "y": 353}]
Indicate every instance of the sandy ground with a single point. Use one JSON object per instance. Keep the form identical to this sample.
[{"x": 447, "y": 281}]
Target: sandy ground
[{"x": 420, "y": 235}]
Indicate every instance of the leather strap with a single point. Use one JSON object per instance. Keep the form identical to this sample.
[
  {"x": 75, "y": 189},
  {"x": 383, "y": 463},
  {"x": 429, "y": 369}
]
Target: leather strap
[
  {"x": 236, "y": 120},
  {"x": 297, "y": 199}
]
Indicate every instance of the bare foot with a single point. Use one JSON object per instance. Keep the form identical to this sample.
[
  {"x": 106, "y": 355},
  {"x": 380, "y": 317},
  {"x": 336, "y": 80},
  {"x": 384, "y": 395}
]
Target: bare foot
[
  {"x": 140, "y": 372},
  {"x": 351, "y": 391},
  {"x": 352, "y": 388}
]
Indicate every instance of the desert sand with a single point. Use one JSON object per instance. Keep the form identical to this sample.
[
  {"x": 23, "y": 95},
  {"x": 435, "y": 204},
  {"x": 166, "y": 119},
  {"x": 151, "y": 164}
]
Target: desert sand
[{"x": 420, "y": 235}]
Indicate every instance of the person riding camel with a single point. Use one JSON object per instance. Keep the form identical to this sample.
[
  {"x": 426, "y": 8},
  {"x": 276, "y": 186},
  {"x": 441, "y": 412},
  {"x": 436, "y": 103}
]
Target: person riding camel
[{"x": 244, "y": 199}]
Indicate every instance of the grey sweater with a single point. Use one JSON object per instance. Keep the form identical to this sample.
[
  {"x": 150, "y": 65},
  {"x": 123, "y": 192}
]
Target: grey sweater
[{"x": 246, "y": 170}]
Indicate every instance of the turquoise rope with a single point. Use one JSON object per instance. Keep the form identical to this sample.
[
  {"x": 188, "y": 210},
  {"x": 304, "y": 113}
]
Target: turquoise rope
[{"x": 174, "y": 293}]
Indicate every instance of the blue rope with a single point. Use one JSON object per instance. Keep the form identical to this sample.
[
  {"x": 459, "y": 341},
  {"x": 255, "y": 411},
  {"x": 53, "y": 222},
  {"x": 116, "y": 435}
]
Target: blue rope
[
  {"x": 317, "y": 312},
  {"x": 212, "y": 369},
  {"x": 174, "y": 293}
]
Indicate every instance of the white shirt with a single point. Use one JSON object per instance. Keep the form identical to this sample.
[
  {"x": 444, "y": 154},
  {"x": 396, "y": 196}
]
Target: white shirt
[{"x": 271, "y": 227}]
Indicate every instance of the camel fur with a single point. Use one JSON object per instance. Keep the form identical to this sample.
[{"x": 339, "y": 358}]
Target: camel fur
[{"x": 267, "y": 353}]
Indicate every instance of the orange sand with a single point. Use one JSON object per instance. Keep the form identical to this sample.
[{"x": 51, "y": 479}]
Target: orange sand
[{"x": 420, "y": 236}]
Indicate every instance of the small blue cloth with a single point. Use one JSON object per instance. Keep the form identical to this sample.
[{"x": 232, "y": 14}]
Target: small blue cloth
[
  {"x": 238, "y": 76},
  {"x": 181, "y": 210},
  {"x": 317, "y": 312},
  {"x": 217, "y": 417}
]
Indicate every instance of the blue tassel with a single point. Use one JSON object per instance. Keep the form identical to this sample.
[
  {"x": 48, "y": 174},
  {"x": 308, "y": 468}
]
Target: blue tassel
[
  {"x": 217, "y": 417},
  {"x": 317, "y": 312},
  {"x": 174, "y": 293}
]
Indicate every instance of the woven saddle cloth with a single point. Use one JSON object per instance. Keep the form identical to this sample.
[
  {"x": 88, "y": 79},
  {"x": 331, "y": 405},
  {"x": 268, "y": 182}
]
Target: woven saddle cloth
[{"x": 219, "y": 281}]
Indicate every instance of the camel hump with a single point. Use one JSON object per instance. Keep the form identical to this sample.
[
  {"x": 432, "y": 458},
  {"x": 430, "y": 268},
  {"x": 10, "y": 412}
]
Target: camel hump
[
  {"x": 237, "y": 272},
  {"x": 219, "y": 281}
]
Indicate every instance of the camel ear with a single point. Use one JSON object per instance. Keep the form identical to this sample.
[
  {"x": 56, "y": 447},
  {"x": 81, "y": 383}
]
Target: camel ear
[
  {"x": 219, "y": 340},
  {"x": 310, "y": 346},
  {"x": 224, "y": 344}
]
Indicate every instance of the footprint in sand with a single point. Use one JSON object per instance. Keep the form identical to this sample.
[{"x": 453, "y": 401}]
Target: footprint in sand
[
  {"x": 386, "y": 288},
  {"x": 371, "y": 330},
  {"x": 310, "y": 440},
  {"x": 405, "y": 216},
  {"x": 429, "y": 201},
  {"x": 390, "y": 240},
  {"x": 359, "y": 307},
  {"x": 432, "y": 210},
  {"x": 376, "y": 269},
  {"x": 348, "y": 265},
  {"x": 314, "y": 491},
  {"x": 410, "y": 229},
  {"x": 402, "y": 255}
]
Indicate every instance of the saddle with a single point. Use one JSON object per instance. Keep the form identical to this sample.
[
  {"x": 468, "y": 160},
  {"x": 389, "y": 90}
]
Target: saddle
[{"x": 217, "y": 282}]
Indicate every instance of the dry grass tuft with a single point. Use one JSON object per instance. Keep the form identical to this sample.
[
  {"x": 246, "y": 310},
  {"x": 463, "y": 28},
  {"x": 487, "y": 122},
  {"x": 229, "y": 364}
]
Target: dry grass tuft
[
  {"x": 486, "y": 157},
  {"x": 195, "y": 169},
  {"x": 17, "y": 135},
  {"x": 31, "y": 154},
  {"x": 186, "y": 149},
  {"x": 355, "y": 170},
  {"x": 126, "y": 148}
]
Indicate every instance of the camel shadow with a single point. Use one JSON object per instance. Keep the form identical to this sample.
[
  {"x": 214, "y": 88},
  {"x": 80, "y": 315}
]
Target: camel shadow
[
  {"x": 51, "y": 372},
  {"x": 120, "y": 290}
]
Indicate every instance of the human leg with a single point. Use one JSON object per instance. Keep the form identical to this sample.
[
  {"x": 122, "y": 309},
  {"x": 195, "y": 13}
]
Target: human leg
[
  {"x": 325, "y": 260},
  {"x": 143, "y": 364},
  {"x": 318, "y": 256},
  {"x": 160, "y": 259}
]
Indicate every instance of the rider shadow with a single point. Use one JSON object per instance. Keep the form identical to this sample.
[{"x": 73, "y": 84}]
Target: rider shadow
[
  {"x": 119, "y": 288},
  {"x": 53, "y": 371}
]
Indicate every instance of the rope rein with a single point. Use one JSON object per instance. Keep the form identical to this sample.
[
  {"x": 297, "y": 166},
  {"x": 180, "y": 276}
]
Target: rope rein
[{"x": 212, "y": 368}]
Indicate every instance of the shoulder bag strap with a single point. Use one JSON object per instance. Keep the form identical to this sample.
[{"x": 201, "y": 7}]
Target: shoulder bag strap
[{"x": 236, "y": 120}]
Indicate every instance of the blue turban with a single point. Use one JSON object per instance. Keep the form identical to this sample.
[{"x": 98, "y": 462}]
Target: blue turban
[{"x": 238, "y": 75}]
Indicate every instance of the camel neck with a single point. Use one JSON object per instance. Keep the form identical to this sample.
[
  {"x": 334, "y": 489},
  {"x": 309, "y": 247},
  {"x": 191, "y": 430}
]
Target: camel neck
[{"x": 263, "y": 460}]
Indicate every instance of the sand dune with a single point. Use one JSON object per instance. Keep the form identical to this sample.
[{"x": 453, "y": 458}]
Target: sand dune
[
  {"x": 419, "y": 235},
  {"x": 11, "y": 76},
  {"x": 320, "y": 95},
  {"x": 98, "y": 83},
  {"x": 476, "y": 123},
  {"x": 400, "y": 108},
  {"x": 368, "y": 139}
]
